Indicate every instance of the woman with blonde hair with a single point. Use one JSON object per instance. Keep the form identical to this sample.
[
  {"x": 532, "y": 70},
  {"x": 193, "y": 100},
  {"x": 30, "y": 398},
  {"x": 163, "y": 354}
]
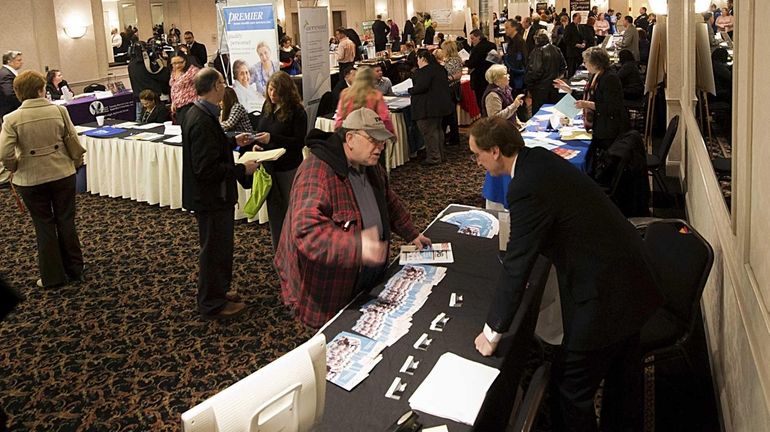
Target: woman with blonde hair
[
  {"x": 454, "y": 69},
  {"x": 498, "y": 100},
  {"x": 362, "y": 94},
  {"x": 39, "y": 144},
  {"x": 262, "y": 71}
]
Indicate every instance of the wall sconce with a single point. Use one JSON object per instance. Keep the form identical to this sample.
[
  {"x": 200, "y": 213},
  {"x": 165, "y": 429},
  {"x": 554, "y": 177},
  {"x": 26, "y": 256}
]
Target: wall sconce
[
  {"x": 702, "y": 6},
  {"x": 659, "y": 7},
  {"x": 75, "y": 31},
  {"x": 459, "y": 5}
]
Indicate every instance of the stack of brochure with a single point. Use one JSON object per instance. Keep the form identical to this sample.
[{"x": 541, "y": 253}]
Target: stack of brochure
[
  {"x": 474, "y": 223},
  {"x": 388, "y": 317},
  {"x": 437, "y": 253},
  {"x": 350, "y": 358}
]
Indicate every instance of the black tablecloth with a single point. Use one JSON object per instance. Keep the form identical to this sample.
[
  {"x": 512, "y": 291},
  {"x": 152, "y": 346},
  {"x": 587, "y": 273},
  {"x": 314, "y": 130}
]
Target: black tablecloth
[{"x": 473, "y": 274}]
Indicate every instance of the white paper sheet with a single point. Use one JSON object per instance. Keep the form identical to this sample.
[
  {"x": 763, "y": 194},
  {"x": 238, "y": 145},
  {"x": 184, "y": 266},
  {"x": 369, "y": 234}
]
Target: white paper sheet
[
  {"x": 172, "y": 130},
  {"x": 403, "y": 87},
  {"x": 174, "y": 140},
  {"x": 126, "y": 125},
  {"x": 454, "y": 389},
  {"x": 148, "y": 126},
  {"x": 567, "y": 107},
  {"x": 464, "y": 55}
]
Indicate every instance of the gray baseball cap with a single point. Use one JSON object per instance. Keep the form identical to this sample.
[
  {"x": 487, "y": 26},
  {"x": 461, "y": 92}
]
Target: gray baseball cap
[{"x": 368, "y": 121}]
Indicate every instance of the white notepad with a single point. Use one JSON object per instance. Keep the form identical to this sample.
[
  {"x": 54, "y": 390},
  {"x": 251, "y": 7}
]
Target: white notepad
[{"x": 454, "y": 389}]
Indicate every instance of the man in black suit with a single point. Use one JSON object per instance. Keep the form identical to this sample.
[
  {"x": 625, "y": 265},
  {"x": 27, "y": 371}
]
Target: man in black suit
[
  {"x": 380, "y": 31},
  {"x": 607, "y": 288},
  {"x": 478, "y": 64},
  {"x": 533, "y": 29},
  {"x": 196, "y": 49},
  {"x": 408, "y": 34},
  {"x": 431, "y": 102},
  {"x": 575, "y": 44},
  {"x": 347, "y": 74},
  {"x": 209, "y": 189},
  {"x": 643, "y": 20},
  {"x": 12, "y": 62}
]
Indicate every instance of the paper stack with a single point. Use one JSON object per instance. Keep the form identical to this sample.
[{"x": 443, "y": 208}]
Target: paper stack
[
  {"x": 437, "y": 253},
  {"x": 474, "y": 223},
  {"x": 388, "y": 317},
  {"x": 454, "y": 389},
  {"x": 402, "y": 88},
  {"x": 350, "y": 358}
]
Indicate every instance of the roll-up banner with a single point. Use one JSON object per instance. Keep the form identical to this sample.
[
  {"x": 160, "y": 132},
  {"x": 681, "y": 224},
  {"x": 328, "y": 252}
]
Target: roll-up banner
[{"x": 316, "y": 78}]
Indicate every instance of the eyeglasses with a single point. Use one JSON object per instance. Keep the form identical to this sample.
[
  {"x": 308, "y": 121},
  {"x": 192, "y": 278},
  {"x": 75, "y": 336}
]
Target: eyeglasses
[
  {"x": 371, "y": 140},
  {"x": 474, "y": 157}
]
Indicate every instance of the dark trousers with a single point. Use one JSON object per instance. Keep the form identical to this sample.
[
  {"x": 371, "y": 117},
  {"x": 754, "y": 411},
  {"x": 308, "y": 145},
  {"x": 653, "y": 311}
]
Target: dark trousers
[
  {"x": 278, "y": 202},
  {"x": 454, "y": 128},
  {"x": 215, "y": 263},
  {"x": 52, "y": 208},
  {"x": 479, "y": 95},
  {"x": 434, "y": 139},
  {"x": 542, "y": 96},
  {"x": 576, "y": 376}
]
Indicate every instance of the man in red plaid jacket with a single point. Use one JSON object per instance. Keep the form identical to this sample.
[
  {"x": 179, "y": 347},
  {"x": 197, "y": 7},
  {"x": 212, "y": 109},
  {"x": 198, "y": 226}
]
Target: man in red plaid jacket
[{"x": 335, "y": 238}]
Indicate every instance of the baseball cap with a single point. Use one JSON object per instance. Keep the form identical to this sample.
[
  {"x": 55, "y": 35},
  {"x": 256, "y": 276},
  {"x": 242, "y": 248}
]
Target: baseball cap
[{"x": 368, "y": 121}]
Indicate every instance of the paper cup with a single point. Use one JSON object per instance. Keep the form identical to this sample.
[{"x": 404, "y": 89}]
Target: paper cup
[{"x": 100, "y": 120}]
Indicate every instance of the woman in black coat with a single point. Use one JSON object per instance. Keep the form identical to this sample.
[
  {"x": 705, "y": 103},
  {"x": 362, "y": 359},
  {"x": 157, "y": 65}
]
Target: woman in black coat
[
  {"x": 633, "y": 87},
  {"x": 431, "y": 102}
]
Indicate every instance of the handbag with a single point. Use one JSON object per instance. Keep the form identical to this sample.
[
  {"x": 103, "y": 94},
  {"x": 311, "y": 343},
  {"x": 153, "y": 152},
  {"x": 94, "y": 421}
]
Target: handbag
[
  {"x": 260, "y": 187},
  {"x": 72, "y": 143}
]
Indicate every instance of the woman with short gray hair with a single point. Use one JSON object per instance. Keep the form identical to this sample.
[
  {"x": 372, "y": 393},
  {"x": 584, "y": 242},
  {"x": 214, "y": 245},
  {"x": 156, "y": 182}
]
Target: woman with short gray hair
[{"x": 498, "y": 101}]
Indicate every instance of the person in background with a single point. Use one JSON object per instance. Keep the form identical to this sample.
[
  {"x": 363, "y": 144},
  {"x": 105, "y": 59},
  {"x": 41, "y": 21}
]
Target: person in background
[
  {"x": 262, "y": 71},
  {"x": 234, "y": 117},
  {"x": 382, "y": 83},
  {"x": 642, "y": 21},
  {"x": 408, "y": 35},
  {"x": 475, "y": 21},
  {"x": 347, "y": 80},
  {"x": 394, "y": 36},
  {"x": 33, "y": 148},
  {"x": 209, "y": 175},
  {"x": 419, "y": 30},
  {"x": 279, "y": 29},
  {"x": 601, "y": 28},
  {"x": 430, "y": 33},
  {"x": 609, "y": 16},
  {"x": 574, "y": 43},
  {"x": 529, "y": 36},
  {"x": 346, "y": 50},
  {"x": 431, "y": 102},
  {"x": 630, "y": 78},
  {"x": 12, "y": 62},
  {"x": 380, "y": 31},
  {"x": 723, "y": 76},
  {"x": 498, "y": 99},
  {"x": 725, "y": 22},
  {"x": 439, "y": 39},
  {"x": 342, "y": 210},
  {"x": 427, "y": 20},
  {"x": 54, "y": 83},
  {"x": 115, "y": 40},
  {"x": 356, "y": 39},
  {"x": 440, "y": 56},
  {"x": 653, "y": 19},
  {"x": 362, "y": 94},
  {"x": 288, "y": 57},
  {"x": 245, "y": 89},
  {"x": 557, "y": 34},
  {"x": 708, "y": 18},
  {"x": 515, "y": 58},
  {"x": 644, "y": 47},
  {"x": 454, "y": 68},
  {"x": 630, "y": 39},
  {"x": 560, "y": 213},
  {"x": 478, "y": 63},
  {"x": 153, "y": 110},
  {"x": 546, "y": 63},
  {"x": 283, "y": 124},
  {"x": 602, "y": 104},
  {"x": 182, "y": 86},
  {"x": 411, "y": 55},
  {"x": 196, "y": 49},
  {"x": 143, "y": 79},
  {"x": 587, "y": 29}
]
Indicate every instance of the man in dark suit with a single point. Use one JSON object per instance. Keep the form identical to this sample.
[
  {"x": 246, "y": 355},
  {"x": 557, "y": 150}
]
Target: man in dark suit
[
  {"x": 12, "y": 62},
  {"x": 533, "y": 28},
  {"x": 575, "y": 44},
  {"x": 196, "y": 49},
  {"x": 347, "y": 74},
  {"x": 408, "y": 34},
  {"x": 431, "y": 102},
  {"x": 607, "y": 288},
  {"x": 643, "y": 20},
  {"x": 209, "y": 189},
  {"x": 478, "y": 64},
  {"x": 380, "y": 31}
]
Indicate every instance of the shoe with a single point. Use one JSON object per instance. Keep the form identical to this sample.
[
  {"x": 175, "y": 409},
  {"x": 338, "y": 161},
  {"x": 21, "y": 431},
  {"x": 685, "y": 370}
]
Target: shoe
[
  {"x": 229, "y": 310},
  {"x": 233, "y": 296},
  {"x": 39, "y": 283}
]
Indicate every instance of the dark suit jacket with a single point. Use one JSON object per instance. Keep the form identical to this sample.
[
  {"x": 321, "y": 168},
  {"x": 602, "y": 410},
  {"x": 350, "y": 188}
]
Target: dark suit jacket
[
  {"x": 478, "y": 62},
  {"x": 158, "y": 115},
  {"x": 408, "y": 30},
  {"x": 209, "y": 172},
  {"x": 8, "y": 101},
  {"x": 606, "y": 285},
  {"x": 198, "y": 50},
  {"x": 430, "y": 93},
  {"x": 430, "y": 33},
  {"x": 337, "y": 90},
  {"x": 572, "y": 37},
  {"x": 531, "y": 36},
  {"x": 380, "y": 30},
  {"x": 610, "y": 117},
  {"x": 589, "y": 35}
]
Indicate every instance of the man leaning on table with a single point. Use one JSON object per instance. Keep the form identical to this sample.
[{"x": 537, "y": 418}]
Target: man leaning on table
[
  {"x": 209, "y": 174},
  {"x": 606, "y": 286},
  {"x": 335, "y": 238}
]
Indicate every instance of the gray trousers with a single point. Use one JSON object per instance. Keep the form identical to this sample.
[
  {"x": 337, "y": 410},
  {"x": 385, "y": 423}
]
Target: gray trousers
[
  {"x": 433, "y": 135},
  {"x": 278, "y": 202},
  {"x": 52, "y": 208}
]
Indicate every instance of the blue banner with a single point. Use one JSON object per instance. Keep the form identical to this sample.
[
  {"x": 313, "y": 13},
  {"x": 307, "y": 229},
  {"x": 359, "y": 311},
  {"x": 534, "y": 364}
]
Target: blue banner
[{"x": 244, "y": 18}]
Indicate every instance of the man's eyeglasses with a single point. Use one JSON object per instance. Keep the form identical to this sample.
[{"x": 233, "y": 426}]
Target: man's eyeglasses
[
  {"x": 371, "y": 140},
  {"x": 474, "y": 157}
]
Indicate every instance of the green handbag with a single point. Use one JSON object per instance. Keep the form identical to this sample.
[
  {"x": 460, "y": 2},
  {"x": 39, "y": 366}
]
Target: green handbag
[{"x": 260, "y": 187}]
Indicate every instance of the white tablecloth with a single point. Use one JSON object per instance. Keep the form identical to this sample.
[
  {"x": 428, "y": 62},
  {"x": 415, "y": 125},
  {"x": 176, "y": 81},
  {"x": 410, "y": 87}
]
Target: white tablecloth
[
  {"x": 143, "y": 171},
  {"x": 396, "y": 154}
]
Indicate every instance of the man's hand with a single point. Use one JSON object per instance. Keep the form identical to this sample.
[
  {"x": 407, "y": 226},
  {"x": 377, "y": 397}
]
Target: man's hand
[
  {"x": 251, "y": 167},
  {"x": 263, "y": 137},
  {"x": 421, "y": 241},
  {"x": 484, "y": 346},
  {"x": 243, "y": 139},
  {"x": 561, "y": 85},
  {"x": 373, "y": 251}
]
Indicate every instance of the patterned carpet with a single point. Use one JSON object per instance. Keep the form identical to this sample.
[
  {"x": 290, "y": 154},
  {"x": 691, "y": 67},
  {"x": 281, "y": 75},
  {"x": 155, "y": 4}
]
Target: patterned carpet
[{"x": 126, "y": 350}]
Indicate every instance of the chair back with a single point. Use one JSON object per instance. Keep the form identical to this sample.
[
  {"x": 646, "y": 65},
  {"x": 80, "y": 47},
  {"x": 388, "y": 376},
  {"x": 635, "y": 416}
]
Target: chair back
[
  {"x": 668, "y": 139},
  {"x": 681, "y": 260},
  {"x": 326, "y": 105},
  {"x": 527, "y": 413},
  {"x": 94, "y": 87}
]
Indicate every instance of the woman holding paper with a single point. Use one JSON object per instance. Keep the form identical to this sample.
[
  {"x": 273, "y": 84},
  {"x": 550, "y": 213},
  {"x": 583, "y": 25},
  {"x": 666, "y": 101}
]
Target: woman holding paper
[
  {"x": 283, "y": 124},
  {"x": 602, "y": 104}
]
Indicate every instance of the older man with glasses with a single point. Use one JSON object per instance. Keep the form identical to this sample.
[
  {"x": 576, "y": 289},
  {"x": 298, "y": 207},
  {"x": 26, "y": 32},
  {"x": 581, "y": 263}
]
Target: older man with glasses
[
  {"x": 12, "y": 62},
  {"x": 334, "y": 242}
]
